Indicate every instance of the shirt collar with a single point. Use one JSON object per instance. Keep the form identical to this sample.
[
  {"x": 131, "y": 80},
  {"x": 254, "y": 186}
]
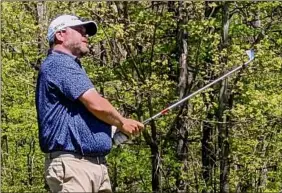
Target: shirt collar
[{"x": 51, "y": 51}]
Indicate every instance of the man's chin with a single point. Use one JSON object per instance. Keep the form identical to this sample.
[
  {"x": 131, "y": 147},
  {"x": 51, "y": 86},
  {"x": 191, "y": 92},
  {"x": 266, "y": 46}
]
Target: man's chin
[{"x": 84, "y": 52}]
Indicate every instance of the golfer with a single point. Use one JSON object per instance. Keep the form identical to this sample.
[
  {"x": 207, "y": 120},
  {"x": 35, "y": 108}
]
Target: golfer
[{"x": 74, "y": 120}]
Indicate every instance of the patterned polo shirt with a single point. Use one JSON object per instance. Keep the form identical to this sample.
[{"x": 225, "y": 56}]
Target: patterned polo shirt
[{"x": 64, "y": 122}]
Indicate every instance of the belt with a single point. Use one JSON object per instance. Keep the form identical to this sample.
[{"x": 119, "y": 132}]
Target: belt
[{"x": 59, "y": 154}]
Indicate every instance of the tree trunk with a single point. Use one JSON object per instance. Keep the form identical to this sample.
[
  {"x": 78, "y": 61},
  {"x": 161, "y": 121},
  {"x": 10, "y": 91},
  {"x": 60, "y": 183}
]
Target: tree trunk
[
  {"x": 30, "y": 164},
  {"x": 208, "y": 141},
  {"x": 156, "y": 172},
  {"x": 42, "y": 22},
  {"x": 182, "y": 122},
  {"x": 151, "y": 140},
  {"x": 208, "y": 151},
  {"x": 223, "y": 128}
]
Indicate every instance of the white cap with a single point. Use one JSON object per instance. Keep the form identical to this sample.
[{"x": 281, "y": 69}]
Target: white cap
[{"x": 64, "y": 21}]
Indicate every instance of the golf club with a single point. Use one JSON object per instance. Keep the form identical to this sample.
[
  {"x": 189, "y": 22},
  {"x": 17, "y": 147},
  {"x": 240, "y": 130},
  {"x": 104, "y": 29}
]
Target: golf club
[{"x": 120, "y": 137}]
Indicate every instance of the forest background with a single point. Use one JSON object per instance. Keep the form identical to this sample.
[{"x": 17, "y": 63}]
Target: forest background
[{"x": 146, "y": 56}]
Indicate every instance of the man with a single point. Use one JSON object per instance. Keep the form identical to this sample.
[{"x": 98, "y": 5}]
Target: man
[{"x": 74, "y": 120}]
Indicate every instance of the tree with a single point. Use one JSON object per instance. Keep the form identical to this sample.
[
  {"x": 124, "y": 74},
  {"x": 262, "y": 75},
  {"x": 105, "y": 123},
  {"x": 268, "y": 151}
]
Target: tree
[{"x": 146, "y": 56}]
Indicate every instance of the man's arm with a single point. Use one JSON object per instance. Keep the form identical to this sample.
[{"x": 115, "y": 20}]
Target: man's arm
[{"x": 104, "y": 110}]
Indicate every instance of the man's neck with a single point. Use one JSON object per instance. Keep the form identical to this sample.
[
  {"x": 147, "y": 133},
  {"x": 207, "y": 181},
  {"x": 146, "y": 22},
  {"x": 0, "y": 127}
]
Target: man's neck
[{"x": 63, "y": 49}]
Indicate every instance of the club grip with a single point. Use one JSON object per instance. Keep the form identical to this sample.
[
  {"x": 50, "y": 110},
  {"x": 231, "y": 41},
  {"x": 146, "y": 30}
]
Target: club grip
[{"x": 120, "y": 138}]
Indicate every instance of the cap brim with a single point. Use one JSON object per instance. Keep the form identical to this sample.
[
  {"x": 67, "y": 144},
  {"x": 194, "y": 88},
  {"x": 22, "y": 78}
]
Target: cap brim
[{"x": 91, "y": 27}]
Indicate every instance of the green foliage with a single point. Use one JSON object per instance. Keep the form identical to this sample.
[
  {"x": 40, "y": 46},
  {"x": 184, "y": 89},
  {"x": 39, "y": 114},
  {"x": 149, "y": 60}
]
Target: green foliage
[{"x": 135, "y": 63}]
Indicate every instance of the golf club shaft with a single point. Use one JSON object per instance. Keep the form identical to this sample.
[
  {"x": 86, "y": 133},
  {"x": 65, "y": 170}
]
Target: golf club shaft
[
  {"x": 194, "y": 93},
  {"x": 120, "y": 137}
]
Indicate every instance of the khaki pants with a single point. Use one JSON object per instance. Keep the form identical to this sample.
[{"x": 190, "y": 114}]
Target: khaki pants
[{"x": 71, "y": 174}]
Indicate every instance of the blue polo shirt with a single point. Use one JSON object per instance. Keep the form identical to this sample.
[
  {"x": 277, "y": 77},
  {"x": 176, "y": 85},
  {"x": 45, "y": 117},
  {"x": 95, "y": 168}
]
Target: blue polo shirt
[{"x": 64, "y": 122}]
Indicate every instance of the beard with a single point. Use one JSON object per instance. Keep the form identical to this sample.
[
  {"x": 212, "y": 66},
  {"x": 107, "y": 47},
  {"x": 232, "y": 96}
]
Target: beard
[{"x": 78, "y": 49}]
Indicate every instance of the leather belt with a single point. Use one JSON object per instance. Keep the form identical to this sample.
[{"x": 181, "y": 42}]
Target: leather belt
[{"x": 95, "y": 159}]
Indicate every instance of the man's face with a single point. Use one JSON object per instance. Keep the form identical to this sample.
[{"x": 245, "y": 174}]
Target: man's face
[{"x": 75, "y": 40}]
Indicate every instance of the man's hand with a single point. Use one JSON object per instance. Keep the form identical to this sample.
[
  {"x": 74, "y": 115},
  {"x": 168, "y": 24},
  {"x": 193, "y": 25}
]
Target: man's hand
[{"x": 131, "y": 127}]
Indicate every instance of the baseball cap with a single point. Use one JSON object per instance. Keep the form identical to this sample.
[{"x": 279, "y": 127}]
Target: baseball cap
[{"x": 64, "y": 21}]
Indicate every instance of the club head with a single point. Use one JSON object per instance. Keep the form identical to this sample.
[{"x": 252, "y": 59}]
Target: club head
[{"x": 251, "y": 54}]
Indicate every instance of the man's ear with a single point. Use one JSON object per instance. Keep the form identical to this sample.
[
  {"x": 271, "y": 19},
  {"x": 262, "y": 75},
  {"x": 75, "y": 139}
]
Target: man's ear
[{"x": 59, "y": 37}]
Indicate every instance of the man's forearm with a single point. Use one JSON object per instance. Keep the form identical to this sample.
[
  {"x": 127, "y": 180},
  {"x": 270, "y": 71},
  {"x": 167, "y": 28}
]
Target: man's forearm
[
  {"x": 101, "y": 108},
  {"x": 106, "y": 112}
]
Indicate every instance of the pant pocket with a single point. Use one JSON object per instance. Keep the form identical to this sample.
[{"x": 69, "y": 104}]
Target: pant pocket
[{"x": 55, "y": 175}]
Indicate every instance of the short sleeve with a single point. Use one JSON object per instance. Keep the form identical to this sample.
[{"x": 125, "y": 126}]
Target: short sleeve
[{"x": 69, "y": 78}]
